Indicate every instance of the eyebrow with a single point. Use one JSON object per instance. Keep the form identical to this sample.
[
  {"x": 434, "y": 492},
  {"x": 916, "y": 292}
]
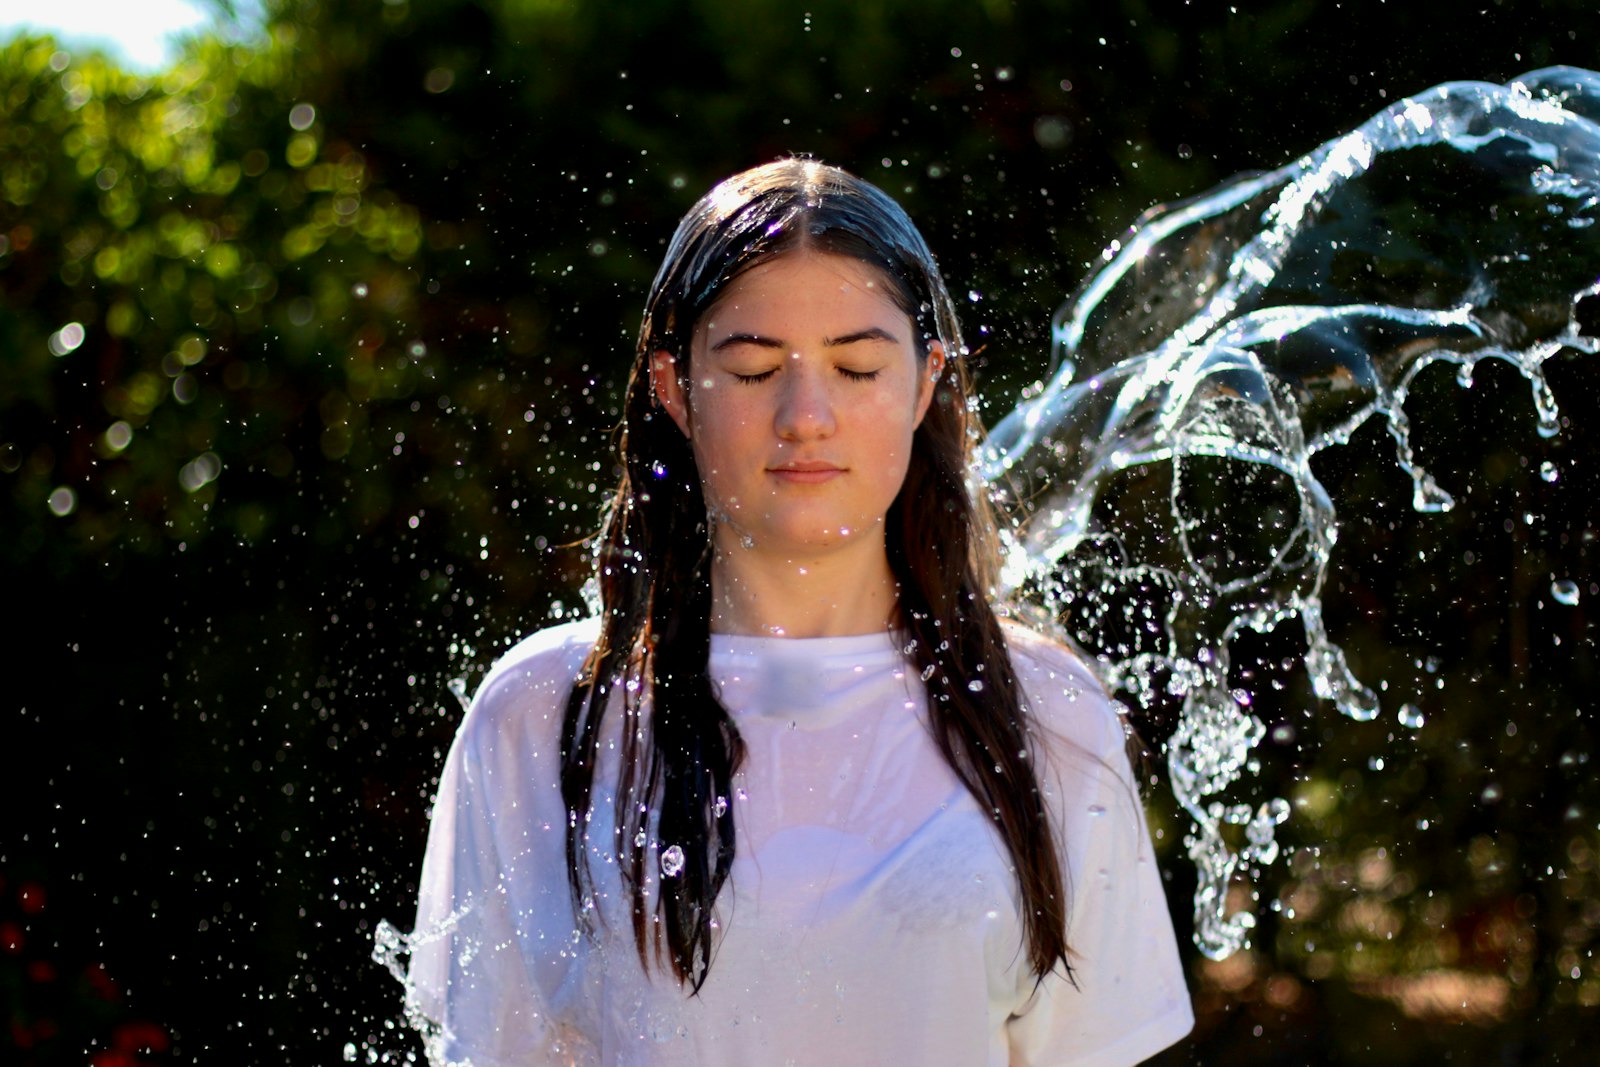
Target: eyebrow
[
  {"x": 873, "y": 334},
  {"x": 746, "y": 339}
]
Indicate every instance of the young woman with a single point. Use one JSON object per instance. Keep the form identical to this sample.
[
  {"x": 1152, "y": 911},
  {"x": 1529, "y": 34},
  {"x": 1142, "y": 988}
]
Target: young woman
[{"x": 796, "y": 795}]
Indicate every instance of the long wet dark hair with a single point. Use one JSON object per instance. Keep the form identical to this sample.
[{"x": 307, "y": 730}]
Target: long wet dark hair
[{"x": 680, "y": 747}]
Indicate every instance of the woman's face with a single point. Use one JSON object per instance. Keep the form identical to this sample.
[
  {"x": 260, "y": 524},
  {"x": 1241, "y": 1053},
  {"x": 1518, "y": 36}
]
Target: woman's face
[{"x": 805, "y": 387}]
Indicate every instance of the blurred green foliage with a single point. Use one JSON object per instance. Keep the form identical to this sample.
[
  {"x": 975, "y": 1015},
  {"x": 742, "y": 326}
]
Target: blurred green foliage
[
  {"x": 189, "y": 263},
  {"x": 311, "y": 348}
]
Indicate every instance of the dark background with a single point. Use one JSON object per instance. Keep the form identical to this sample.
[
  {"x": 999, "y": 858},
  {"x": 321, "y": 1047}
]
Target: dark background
[{"x": 357, "y": 299}]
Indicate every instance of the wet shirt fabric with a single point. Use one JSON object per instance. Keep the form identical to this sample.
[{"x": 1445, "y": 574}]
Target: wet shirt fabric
[{"x": 871, "y": 916}]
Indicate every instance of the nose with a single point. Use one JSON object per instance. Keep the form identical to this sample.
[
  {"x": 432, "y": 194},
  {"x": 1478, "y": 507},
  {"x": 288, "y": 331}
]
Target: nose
[{"x": 805, "y": 406}]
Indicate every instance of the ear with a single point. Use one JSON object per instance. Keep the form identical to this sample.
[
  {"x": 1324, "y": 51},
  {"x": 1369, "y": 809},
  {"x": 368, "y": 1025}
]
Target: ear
[
  {"x": 668, "y": 389},
  {"x": 928, "y": 383}
]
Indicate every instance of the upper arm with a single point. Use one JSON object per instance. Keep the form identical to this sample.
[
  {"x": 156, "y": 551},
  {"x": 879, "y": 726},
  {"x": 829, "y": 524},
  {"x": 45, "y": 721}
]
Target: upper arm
[
  {"x": 1127, "y": 998},
  {"x": 493, "y": 954}
]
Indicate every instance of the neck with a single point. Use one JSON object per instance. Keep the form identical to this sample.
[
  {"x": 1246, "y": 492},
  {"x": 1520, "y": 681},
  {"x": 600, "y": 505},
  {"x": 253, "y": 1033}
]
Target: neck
[{"x": 846, "y": 590}]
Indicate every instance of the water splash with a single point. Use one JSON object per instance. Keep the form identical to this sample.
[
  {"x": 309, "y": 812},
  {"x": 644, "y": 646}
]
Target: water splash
[
  {"x": 391, "y": 949},
  {"x": 1226, "y": 341}
]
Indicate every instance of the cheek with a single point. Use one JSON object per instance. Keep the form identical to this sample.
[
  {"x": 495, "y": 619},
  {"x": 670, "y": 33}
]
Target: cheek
[
  {"x": 890, "y": 431},
  {"x": 890, "y": 421},
  {"x": 721, "y": 436},
  {"x": 895, "y": 467}
]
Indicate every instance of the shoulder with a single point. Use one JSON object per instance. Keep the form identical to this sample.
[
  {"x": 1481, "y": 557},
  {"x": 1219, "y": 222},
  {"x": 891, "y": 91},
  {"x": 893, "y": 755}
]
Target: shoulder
[
  {"x": 526, "y": 689},
  {"x": 1034, "y": 652},
  {"x": 1063, "y": 694},
  {"x": 551, "y": 655}
]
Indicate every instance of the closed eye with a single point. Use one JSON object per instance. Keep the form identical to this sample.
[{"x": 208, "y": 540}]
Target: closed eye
[{"x": 758, "y": 378}]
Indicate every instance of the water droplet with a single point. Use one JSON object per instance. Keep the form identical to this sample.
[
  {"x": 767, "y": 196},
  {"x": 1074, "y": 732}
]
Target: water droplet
[
  {"x": 976, "y": 685},
  {"x": 927, "y": 672},
  {"x": 672, "y": 861},
  {"x": 1565, "y": 591},
  {"x": 720, "y": 807},
  {"x": 639, "y": 839},
  {"x": 1411, "y": 716},
  {"x": 1547, "y": 471},
  {"x": 200, "y": 472},
  {"x": 388, "y": 946},
  {"x": 349, "y": 1052},
  {"x": 67, "y": 339},
  {"x": 1097, "y": 809},
  {"x": 458, "y": 689}
]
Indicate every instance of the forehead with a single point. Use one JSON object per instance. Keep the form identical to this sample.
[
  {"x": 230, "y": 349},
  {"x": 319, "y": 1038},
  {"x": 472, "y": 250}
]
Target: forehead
[{"x": 805, "y": 284}]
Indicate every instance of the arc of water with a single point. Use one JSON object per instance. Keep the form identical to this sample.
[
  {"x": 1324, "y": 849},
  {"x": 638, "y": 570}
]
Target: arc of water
[{"x": 1244, "y": 373}]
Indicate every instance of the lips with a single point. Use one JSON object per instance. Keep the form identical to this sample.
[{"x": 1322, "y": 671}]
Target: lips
[{"x": 806, "y": 472}]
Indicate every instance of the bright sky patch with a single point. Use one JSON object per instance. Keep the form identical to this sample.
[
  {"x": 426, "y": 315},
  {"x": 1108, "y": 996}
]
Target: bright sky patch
[{"x": 139, "y": 34}]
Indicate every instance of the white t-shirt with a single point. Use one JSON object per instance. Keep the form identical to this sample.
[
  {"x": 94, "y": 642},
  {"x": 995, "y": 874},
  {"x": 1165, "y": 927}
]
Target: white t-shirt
[{"x": 870, "y": 918}]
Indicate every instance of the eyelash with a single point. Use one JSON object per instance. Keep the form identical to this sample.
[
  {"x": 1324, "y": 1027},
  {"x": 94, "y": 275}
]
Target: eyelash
[{"x": 852, "y": 375}]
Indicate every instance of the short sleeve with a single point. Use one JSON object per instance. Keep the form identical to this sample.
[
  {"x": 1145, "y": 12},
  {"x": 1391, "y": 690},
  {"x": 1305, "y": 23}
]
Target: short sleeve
[
  {"x": 1127, "y": 998},
  {"x": 494, "y": 949}
]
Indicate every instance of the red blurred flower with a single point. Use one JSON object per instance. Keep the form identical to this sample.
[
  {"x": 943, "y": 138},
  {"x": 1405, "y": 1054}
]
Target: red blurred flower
[
  {"x": 101, "y": 982},
  {"x": 31, "y": 897},
  {"x": 140, "y": 1036}
]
